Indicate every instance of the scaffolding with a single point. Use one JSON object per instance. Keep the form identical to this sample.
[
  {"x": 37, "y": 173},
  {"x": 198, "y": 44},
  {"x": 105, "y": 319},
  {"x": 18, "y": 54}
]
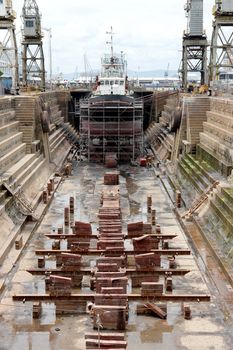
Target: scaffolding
[{"x": 111, "y": 126}]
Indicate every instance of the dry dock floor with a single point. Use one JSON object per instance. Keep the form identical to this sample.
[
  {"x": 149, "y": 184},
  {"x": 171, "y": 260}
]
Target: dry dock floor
[{"x": 211, "y": 324}]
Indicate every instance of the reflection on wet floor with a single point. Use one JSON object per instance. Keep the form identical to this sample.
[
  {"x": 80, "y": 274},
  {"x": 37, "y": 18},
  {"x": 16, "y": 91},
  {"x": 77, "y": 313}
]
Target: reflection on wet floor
[{"x": 209, "y": 327}]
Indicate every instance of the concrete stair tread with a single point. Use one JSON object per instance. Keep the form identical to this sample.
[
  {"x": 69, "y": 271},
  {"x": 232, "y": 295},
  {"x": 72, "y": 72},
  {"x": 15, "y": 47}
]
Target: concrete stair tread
[
  {"x": 197, "y": 173},
  {"x": 2, "y": 195},
  {"x": 54, "y": 135},
  {"x": 29, "y": 169},
  {"x": 210, "y": 150},
  {"x": 57, "y": 140},
  {"x": 22, "y": 163},
  {"x": 204, "y": 168},
  {"x": 7, "y": 117},
  {"x": 219, "y": 128},
  {"x": 223, "y": 213},
  {"x": 6, "y": 202},
  {"x": 227, "y": 193},
  {"x": 18, "y": 148},
  {"x": 11, "y": 138},
  {"x": 32, "y": 173},
  {"x": 61, "y": 140},
  {"x": 224, "y": 199},
  {"x": 186, "y": 171},
  {"x": 8, "y": 125}
]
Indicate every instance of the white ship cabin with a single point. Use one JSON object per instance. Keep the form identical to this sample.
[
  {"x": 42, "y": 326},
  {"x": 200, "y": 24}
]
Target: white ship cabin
[
  {"x": 111, "y": 86},
  {"x": 112, "y": 80}
]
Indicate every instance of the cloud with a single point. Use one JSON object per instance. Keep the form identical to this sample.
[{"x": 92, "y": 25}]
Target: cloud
[{"x": 149, "y": 31}]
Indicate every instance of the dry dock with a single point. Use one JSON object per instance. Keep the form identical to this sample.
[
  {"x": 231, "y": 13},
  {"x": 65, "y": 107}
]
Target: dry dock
[{"x": 210, "y": 325}]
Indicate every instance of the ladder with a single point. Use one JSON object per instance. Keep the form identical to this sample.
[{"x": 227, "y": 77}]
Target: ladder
[
  {"x": 20, "y": 197},
  {"x": 197, "y": 203}
]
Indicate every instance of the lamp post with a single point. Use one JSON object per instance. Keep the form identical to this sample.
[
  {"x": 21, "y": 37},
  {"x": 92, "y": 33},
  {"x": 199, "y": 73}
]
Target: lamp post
[{"x": 49, "y": 30}]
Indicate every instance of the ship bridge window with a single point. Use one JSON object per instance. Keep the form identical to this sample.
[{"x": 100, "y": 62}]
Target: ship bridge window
[
  {"x": 111, "y": 82},
  {"x": 226, "y": 76},
  {"x": 116, "y": 82},
  {"x": 101, "y": 82},
  {"x": 106, "y": 82},
  {"x": 122, "y": 82}
]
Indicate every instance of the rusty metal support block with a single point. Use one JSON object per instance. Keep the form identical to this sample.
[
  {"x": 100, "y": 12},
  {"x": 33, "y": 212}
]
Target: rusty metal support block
[
  {"x": 71, "y": 205},
  {"x": 67, "y": 216}
]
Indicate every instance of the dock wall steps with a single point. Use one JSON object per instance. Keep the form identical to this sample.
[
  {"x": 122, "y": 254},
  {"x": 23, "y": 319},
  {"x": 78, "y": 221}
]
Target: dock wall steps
[
  {"x": 194, "y": 171},
  {"x": 3, "y": 195},
  {"x": 217, "y": 137},
  {"x": 12, "y": 157},
  {"x": 187, "y": 174},
  {"x": 228, "y": 193},
  {"x": 27, "y": 170},
  {"x": 53, "y": 136},
  {"x": 14, "y": 172},
  {"x": 8, "y": 130},
  {"x": 60, "y": 139},
  {"x": 196, "y": 109},
  {"x": 10, "y": 143},
  {"x": 6, "y": 204},
  {"x": 70, "y": 131},
  {"x": 221, "y": 105},
  {"x": 219, "y": 150},
  {"x": 7, "y": 117},
  {"x": 219, "y": 132},
  {"x": 222, "y": 215},
  {"x": 224, "y": 203},
  {"x": 220, "y": 119},
  {"x": 39, "y": 165},
  {"x": 200, "y": 166}
]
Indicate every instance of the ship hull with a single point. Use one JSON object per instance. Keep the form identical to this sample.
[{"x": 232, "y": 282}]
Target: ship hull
[{"x": 112, "y": 124}]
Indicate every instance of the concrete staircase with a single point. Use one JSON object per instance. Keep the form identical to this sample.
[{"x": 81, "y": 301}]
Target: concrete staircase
[
  {"x": 23, "y": 168},
  {"x": 55, "y": 140},
  {"x": 195, "y": 109},
  {"x": 56, "y": 118},
  {"x": 198, "y": 173},
  {"x": 201, "y": 177},
  {"x": 70, "y": 132},
  {"x": 217, "y": 137},
  {"x": 157, "y": 134},
  {"x": 16, "y": 163},
  {"x": 25, "y": 109},
  {"x": 222, "y": 205}
]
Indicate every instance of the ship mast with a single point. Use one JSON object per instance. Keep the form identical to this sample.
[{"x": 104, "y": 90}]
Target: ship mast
[{"x": 111, "y": 42}]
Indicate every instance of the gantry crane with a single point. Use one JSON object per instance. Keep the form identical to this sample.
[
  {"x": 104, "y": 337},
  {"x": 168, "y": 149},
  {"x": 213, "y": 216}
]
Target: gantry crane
[
  {"x": 194, "y": 57},
  {"x": 33, "y": 55},
  {"x": 8, "y": 46},
  {"x": 221, "y": 50}
]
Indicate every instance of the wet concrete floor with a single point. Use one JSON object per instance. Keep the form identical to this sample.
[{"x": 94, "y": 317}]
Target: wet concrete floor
[{"x": 211, "y": 323}]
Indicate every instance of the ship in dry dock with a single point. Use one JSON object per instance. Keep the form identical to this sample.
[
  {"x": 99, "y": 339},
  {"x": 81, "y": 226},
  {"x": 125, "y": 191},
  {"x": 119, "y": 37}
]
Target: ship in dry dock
[{"x": 111, "y": 119}]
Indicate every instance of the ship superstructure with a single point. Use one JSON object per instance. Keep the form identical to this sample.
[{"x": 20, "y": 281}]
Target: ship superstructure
[{"x": 111, "y": 120}]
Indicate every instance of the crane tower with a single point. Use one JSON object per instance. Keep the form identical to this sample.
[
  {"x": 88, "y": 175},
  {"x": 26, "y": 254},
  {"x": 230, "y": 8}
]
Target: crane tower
[
  {"x": 8, "y": 45},
  {"x": 194, "y": 58},
  {"x": 33, "y": 55},
  {"x": 221, "y": 50}
]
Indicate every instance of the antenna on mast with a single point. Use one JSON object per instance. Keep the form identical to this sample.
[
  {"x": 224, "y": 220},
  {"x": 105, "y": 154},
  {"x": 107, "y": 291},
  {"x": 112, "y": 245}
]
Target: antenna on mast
[{"x": 111, "y": 42}]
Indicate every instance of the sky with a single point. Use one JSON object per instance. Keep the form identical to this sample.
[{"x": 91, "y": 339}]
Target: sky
[{"x": 149, "y": 32}]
